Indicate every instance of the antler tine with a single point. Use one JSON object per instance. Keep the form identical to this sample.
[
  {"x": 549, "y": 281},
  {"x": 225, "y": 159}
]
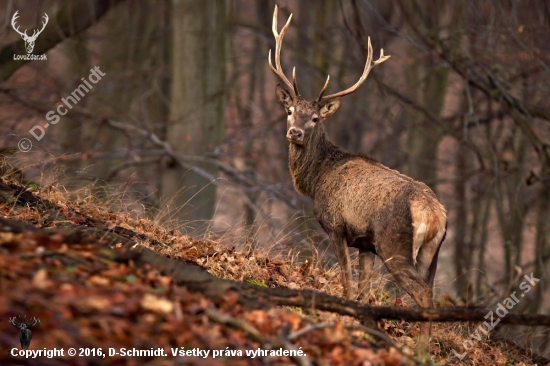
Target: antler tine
[
  {"x": 13, "y": 19},
  {"x": 278, "y": 70},
  {"x": 36, "y": 32},
  {"x": 294, "y": 81},
  {"x": 368, "y": 67},
  {"x": 324, "y": 88},
  {"x": 46, "y": 19}
]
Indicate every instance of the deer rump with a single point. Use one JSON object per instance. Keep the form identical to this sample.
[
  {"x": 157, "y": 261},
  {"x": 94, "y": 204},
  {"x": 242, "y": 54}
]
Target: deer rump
[{"x": 360, "y": 199}]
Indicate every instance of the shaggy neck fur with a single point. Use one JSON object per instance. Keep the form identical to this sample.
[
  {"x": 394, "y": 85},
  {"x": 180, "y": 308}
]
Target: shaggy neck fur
[{"x": 307, "y": 163}]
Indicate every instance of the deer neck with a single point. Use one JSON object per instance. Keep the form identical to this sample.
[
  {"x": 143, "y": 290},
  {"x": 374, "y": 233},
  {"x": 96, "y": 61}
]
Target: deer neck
[{"x": 307, "y": 163}]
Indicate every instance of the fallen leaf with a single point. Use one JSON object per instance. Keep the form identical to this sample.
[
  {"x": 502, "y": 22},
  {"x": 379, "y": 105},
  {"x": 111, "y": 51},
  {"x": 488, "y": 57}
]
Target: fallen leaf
[
  {"x": 98, "y": 280},
  {"x": 40, "y": 279},
  {"x": 156, "y": 304},
  {"x": 96, "y": 302}
]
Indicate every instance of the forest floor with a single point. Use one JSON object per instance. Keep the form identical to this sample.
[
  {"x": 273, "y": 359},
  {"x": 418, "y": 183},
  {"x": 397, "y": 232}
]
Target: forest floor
[{"x": 90, "y": 298}]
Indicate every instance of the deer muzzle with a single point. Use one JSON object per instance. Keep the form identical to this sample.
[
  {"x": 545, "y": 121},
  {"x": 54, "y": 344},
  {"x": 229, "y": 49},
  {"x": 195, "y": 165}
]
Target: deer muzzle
[{"x": 295, "y": 135}]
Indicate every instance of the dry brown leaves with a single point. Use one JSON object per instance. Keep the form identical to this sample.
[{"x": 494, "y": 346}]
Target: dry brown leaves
[{"x": 84, "y": 299}]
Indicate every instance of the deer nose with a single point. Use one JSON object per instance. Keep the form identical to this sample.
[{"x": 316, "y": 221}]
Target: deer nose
[{"x": 295, "y": 134}]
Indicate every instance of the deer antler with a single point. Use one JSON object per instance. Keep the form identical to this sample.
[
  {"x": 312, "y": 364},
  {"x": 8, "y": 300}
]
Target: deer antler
[
  {"x": 368, "y": 66},
  {"x": 14, "y": 321},
  {"x": 34, "y": 321},
  {"x": 36, "y": 32},
  {"x": 15, "y": 16},
  {"x": 278, "y": 70}
]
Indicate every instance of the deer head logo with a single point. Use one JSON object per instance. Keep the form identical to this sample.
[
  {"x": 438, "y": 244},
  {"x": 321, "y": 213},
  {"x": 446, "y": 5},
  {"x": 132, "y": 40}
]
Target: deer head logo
[
  {"x": 29, "y": 40},
  {"x": 23, "y": 324}
]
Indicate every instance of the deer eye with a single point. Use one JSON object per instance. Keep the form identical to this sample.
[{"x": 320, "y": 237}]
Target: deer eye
[
  {"x": 289, "y": 112},
  {"x": 315, "y": 119}
]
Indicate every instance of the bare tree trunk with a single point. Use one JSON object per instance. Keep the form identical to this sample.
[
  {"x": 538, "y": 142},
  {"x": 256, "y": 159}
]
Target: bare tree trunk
[
  {"x": 350, "y": 134},
  {"x": 427, "y": 81},
  {"x": 511, "y": 210},
  {"x": 246, "y": 99},
  {"x": 462, "y": 252},
  {"x": 423, "y": 141},
  {"x": 541, "y": 247},
  {"x": 483, "y": 217},
  {"x": 198, "y": 108},
  {"x": 132, "y": 66},
  {"x": 70, "y": 128}
]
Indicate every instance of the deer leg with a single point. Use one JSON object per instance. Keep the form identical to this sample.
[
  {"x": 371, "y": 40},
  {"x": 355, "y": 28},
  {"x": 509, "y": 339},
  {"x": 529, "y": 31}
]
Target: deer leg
[
  {"x": 427, "y": 258},
  {"x": 366, "y": 264},
  {"x": 427, "y": 265},
  {"x": 433, "y": 267},
  {"x": 342, "y": 254},
  {"x": 403, "y": 270}
]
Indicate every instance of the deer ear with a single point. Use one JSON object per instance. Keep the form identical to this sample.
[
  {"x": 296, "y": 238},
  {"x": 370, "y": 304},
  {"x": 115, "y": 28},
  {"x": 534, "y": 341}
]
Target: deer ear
[
  {"x": 330, "y": 107},
  {"x": 283, "y": 96}
]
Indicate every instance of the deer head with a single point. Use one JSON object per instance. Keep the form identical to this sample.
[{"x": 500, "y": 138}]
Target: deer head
[
  {"x": 29, "y": 40},
  {"x": 304, "y": 115}
]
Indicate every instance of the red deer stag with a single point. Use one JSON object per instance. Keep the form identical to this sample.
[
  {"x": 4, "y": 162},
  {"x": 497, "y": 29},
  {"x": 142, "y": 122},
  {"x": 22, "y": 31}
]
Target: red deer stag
[{"x": 359, "y": 202}]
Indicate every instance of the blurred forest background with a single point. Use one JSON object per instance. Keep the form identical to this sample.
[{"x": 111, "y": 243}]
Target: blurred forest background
[{"x": 184, "y": 126}]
